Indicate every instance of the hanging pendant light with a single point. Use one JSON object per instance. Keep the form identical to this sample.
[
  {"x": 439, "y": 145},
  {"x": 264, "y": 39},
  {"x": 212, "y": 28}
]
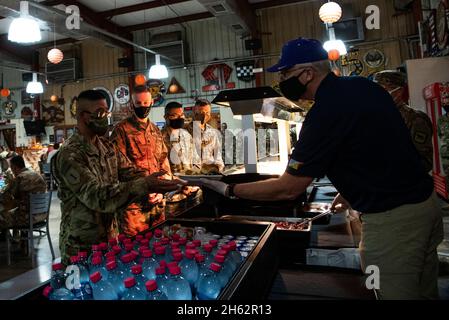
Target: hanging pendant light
[
  {"x": 34, "y": 87},
  {"x": 335, "y": 45},
  {"x": 330, "y": 12},
  {"x": 158, "y": 71},
  {"x": 24, "y": 29},
  {"x": 55, "y": 55}
]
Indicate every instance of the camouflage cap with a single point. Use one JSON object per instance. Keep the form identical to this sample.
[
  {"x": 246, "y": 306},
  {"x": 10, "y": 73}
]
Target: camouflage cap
[{"x": 391, "y": 78}]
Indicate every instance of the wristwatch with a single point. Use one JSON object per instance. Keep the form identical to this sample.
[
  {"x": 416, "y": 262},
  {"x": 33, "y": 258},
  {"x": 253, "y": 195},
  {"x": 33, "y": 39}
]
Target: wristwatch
[{"x": 230, "y": 191}]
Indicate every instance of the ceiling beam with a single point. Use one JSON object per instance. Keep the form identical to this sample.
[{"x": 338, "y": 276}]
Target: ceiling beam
[
  {"x": 138, "y": 7},
  {"x": 247, "y": 14},
  {"x": 166, "y": 22},
  {"x": 273, "y": 3}
]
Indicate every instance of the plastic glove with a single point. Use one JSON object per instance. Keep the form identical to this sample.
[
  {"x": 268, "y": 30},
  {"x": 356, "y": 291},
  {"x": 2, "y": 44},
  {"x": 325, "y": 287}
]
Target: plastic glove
[{"x": 217, "y": 186}]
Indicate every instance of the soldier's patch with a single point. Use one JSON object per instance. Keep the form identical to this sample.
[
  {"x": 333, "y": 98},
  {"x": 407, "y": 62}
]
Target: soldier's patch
[
  {"x": 295, "y": 165},
  {"x": 73, "y": 176},
  {"x": 420, "y": 137}
]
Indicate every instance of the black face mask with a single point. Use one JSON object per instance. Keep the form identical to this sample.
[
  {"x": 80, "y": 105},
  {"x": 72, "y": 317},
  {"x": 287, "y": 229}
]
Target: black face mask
[
  {"x": 176, "y": 123},
  {"x": 292, "y": 88},
  {"x": 142, "y": 112},
  {"x": 98, "y": 126}
]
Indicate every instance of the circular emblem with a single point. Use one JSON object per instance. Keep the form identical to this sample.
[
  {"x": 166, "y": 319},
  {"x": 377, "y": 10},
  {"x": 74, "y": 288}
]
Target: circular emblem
[
  {"x": 374, "y": 58},
  {"x": 73, "y": 105},
  {"x": 121, "y": 94},
  {"x": 9, "y": 108},
  {"x": 108, "y": 96},
  {"x": 157, "y": 89}
]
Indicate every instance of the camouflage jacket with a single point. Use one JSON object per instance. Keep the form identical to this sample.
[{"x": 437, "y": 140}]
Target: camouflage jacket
[
  {"x": 421, "y": 130},
  {"x": 180, "y": 149},
  {"x": 142, "y": 145},
  {"x": 207, "y": 148},
  {"x": 95, "y": 182}
]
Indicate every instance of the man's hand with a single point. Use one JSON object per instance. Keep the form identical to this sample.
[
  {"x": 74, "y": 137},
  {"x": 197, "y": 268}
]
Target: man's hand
[
  {"x": 217, "y": 186},
  {"x": 155, "y": 198},
  {"x": 156, "y": 183},
  {"x": 339, "y": 204}
]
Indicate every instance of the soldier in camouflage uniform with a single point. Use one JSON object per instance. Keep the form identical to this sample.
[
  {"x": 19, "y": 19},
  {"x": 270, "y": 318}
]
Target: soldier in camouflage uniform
[
  {"x": 443, "y": 135},
  {"x": 95, "y": 181},
  {"x": 417, "y": 122},
  {"x": 16, "y": 194},
  {"x": 178, "y": 140},
  {"x": 141, "y": 141}
]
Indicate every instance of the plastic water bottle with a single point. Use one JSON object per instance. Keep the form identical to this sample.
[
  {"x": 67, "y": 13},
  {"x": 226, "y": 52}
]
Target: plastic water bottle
[
  {"x": 121, "y": 240},
  {"x": 159, "y": 253},
  {"x": 145, "y": 243},
  {"x": 95, "y": 250},
  {"x": 138, "y": 275},
  {"x": 178, "y": 288},
  {"x": 127, "y": 263},
  {"x": 161, "y": 279},
  {"x": 58, "y": 294},
  {"x": 229, "y": 262},
  {"x": 189, "y": 268},
  {"x": 202, "y": 268},
  {"x": 156, "y": 237},
  {"x": 148, "y": 235},
  {"x": 82, "y": 291},
  {"x": 57, "y": 276},
  {"x": 153, "y": 293},
  {"x": 132, "y": 291},
  {"x": 197, "y": 243},
  {"x": 234, "y": 254},
  {"x": 116, "y": 277},
  {"x": 118, "y": 251},
  {"x": 225, "y": 273},
  {"x": 82, "y": 260},
  {"x": 182, "y": 244},
  {"x": 103, "y": 247},
  {"x": 209, "y": 285},
  {"x": 214, "y": 243},
  {"x": 149, "y": 265},
  {"x": 97, "y": 266},
  {"x": 112, "y": 243},
  {"x": 175, "y": 237},
  {"x": 101, "y": 288},
  {"x": 207, "y": 252}
]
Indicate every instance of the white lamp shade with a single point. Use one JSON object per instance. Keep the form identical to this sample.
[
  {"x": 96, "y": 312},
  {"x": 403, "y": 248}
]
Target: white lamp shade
[
  {"x": 34, "y": 87},
  {"x": 330, "y": 12},
  {"x": 335, "y": 44},
  {"x": 158, "y": 71},
  {"x": 24, "y": 29},
  {"x": 55, "y": 56}
]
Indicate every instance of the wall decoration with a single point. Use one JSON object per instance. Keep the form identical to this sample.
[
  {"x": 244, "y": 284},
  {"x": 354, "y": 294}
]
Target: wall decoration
[
  {"x": 433, "y": 34},
  {"x": 26, "y": 113},
  {"x": 9, "y": 108},
  {"x": 73, "y": 105},
  {"x": 121, "y": 94},
  {"x": 108, "y": 96},
  {"x": 26, "y": 98},
  {"x": 175, "y": 87},
  {"x": 217, "y": 77},
  {"x": 351, "y": 63},
  {"x": 245, "y": 70},
  {"x": 374, "y": 59},
  {"x": 441, "y": 23},
  {"x": 157, "y": 89},
  {"x": 53, "y": 115}
]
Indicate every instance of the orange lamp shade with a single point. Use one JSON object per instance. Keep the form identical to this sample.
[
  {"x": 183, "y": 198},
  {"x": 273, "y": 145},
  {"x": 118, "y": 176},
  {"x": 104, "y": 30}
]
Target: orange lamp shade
[
  {"x": 5, "y": 92},
  {"x": 334, "y": 55},
  {"x": 55, "y": 56},
  {"x": 54, "y": 98},
  {"x": 140, "y": 80},
  {"x": 173, "y": 88}
]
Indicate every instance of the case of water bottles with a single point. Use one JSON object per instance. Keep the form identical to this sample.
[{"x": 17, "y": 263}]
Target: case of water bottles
[{"x": 177, "y": 260}]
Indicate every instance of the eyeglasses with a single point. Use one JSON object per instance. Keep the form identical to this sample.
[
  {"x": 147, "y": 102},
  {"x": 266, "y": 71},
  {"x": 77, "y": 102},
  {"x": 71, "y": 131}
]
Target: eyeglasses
[
  {"x": 99, "y": 114},
  {"x": 286, "y": 74}
]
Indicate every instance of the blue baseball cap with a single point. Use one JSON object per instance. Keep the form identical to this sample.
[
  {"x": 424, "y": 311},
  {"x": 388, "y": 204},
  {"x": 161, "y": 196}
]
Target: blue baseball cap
[{"x": 299, "y": 51}]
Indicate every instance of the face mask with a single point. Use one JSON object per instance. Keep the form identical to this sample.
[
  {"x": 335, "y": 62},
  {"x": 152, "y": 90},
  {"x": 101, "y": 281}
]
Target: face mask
[
  {"x": 142, "y": 113},
  {"x": 98, "y": 126},
  {"x": 200, "y": 117},
  {"x": 176, "y": 123},
  {"x": 292, "y": 88}
]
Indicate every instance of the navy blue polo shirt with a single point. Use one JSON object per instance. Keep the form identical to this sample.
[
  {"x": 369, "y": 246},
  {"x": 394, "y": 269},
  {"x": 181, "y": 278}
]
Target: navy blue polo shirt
[{"x": 356, "y": 136}]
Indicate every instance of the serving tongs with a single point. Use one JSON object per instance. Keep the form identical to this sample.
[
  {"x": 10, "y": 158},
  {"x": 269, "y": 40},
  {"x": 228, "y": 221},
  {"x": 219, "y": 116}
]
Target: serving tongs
[{"x": 318, "y": 216}]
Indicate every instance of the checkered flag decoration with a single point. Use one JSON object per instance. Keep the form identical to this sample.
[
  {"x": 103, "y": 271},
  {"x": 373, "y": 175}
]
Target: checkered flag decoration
[{"x": 246, "y": 70}]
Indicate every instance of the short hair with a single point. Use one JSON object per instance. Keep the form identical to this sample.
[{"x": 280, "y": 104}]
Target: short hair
[
  {"x": 172, "y": 105},
  {"x": 202, "y": 103},
  {"x": 88, "y": 95},
  {"x": 17, "y": 161},
  {"x": 56, "y": 146},
  {"x": 392, "y": 78},
  {"x": 140, "y": 89}
]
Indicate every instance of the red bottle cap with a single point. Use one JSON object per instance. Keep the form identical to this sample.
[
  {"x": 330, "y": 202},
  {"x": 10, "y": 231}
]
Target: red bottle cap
[
  {"x": 232, "y": 245},
  {"x": 174, "y": 245},
  {"x": 144, "y": 242},
  {"x": 182, "y": 241},
  {"x": 137, "y": 269},
  {"x": 199, "y": 258},
  {"x": 127, "y": 258},
  {"x": 190, "y": 254},
  {"x": 95, "y": 247},
  {"x": 97, "y": 254},
  {"x": 149, "y": 235},
  {"x": 74, "y": 260},
  {"x": 109, "y": 259},
  {"x": 165, "y": 241},
  {"x": 197, "y": 243},
  {"x": 172, "y": 264},
  {"x": 159, "y": 250},
  {"x": 135, "y": 254},
  {"x": 218, "y": 258},
  {"x": 117, "y": 249},
  {"x": 157, "y": 244},
  {"x": 47, "y": 291},
  {"x": 109, "y": 254},
  {"x": 147, "y": 253},
  {"x": 111, "y": 265},
  {"x": 163, "y": 263},
  {"x": 175, "y": 270},
  {"x": 129, "y": 247},
  {"x": 222, "y": 252},
  {"x": 112, "y": 242},
  {"x": 103, "y": 246},
  {"x": 57, "y": 266},
  {"x": 215, "y": 267},
  {"x": 151, "y": 285},
  {"x": 176, "y": 237},
  {"x": 130, "y": 282},
  {"x": 213, "y": 242},
  {"x": 190, "y": 245},
  {"x": 226, "y": 248},
  {"x": 158, "y": 233},
  {"x": 82, "y": 255},
  {"x": 95, "y": 277},
  {"x": 177, "y": 256},
  {"x": 96, "y": 261},
  {"x": 208, "y": 247},
  {"x": 175, "y": 250},
  {"x": 160, "y": 270},
  {"x": 139, "y": 237},
  {"x": 127, "y": 241},
  {"x": 121, "y": 237}
]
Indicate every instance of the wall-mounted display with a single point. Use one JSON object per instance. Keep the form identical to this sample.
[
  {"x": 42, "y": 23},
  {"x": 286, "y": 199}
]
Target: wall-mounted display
[
  {"x": 121, "y": 94},
  {"x": 9, "y": 108},
  {"x": 53, "y": 115},
  {"x": 157, "y": 89}
]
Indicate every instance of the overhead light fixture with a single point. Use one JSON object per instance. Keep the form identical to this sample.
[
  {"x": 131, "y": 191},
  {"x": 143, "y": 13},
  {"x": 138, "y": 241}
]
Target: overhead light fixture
[
  {"x": 158, "y": 71},
  {"x": 24, "y": 29},
  {"x": 55, "y": 55},
  {"x": 34, "y": 87},
  {"x": 330, "y": 12},
  {"x": 335, "y": 45}
]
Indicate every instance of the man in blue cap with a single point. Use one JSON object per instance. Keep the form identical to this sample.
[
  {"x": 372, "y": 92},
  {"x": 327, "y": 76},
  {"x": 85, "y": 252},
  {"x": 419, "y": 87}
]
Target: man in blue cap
[{"x": 354, "y": 135}]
